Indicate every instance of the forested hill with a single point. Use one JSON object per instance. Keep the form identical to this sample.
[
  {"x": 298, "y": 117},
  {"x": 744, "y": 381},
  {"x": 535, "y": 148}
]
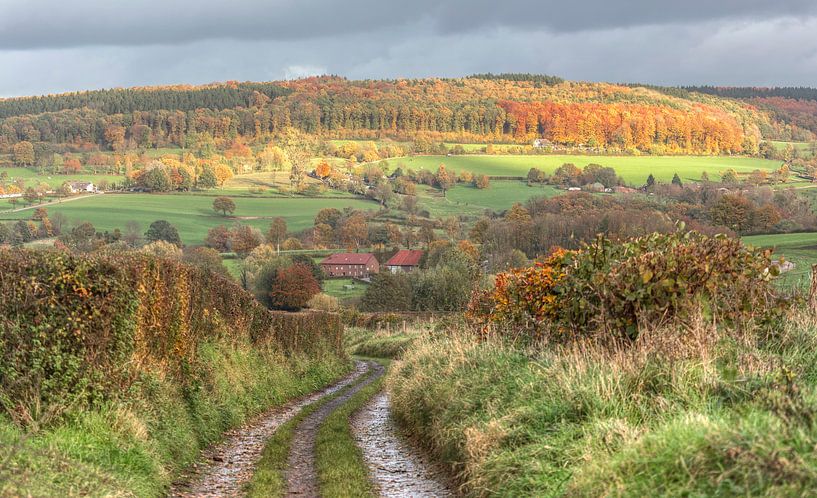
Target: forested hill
[
  {"x": 735, "y": 92},
  {"x": 128, "y": 100},
  {"x": 486, "y": 107}
]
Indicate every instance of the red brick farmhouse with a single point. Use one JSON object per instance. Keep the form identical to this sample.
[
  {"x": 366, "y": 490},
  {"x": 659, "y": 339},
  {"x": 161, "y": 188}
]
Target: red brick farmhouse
[
  {"x": 405, "y": 261},
  {"x": 350, "y": 265}
]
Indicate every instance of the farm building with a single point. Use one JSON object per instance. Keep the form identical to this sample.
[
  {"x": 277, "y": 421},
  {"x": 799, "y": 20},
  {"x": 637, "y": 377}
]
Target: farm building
[
  {"x": 356, "y": 265},
  {"x": 77, "y": 187},
  {"x": 405, "y": 261}
]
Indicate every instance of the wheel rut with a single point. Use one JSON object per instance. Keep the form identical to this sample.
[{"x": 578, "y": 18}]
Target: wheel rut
[
  {"x": 230, "y": 464},
  {"x": 396, "y": 468},
  {"x": 301, "y": 476}
]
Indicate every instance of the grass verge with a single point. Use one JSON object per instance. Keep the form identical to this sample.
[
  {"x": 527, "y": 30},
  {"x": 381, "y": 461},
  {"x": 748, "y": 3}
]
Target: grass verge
[
  {"x": 380, "y": 343},
  {"x": 700, "y": 412},
  {"x": 136, "y": 446},
  {"x": 339, "y": 461}
]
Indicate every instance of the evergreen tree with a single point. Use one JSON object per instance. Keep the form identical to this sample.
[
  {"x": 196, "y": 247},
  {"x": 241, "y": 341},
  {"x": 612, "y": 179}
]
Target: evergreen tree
[{"x": 676, "y": 180}]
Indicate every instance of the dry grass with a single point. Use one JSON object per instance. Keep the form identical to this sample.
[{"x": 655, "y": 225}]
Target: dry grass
[{"x": 695, "y": 411}]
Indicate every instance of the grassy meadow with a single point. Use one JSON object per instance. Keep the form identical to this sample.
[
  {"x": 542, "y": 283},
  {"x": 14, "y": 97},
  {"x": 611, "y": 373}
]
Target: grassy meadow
[
  {"x": 633, "y": 169},
  {"x": 798, "y": 248},
  {"x": 695, "y": 413},
  {"x": 193, "y": 215},
  {"x": 32, "y": 178}
]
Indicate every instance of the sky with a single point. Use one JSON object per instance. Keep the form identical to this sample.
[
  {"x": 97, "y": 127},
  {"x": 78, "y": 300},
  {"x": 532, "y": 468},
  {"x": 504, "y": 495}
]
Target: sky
[{"x": 50, "y": 46}]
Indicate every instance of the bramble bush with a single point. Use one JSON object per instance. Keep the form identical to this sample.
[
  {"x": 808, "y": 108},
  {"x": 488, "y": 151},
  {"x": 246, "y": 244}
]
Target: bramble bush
[
  {"x": 76, "y": 329},
  {"x": 621, "y": 288}
]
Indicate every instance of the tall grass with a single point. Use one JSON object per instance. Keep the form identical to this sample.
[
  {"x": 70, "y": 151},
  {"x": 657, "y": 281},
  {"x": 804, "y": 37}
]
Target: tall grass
[
  {"x": 698, "y": 411},
  {"x": 137, "y": 444}
]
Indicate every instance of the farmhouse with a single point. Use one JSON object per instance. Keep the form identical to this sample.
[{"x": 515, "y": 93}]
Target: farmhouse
[
  {"x": 357, "y": 265},
  {"x": 77, "y": 187},
  {"x": 405, "y": 261}
]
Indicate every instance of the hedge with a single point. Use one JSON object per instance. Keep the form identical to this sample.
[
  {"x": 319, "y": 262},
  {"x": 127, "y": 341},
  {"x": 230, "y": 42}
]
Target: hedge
[{"x": 79, "y": 328}]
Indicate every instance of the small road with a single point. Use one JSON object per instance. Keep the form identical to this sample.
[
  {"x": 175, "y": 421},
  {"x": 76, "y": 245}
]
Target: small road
[
  {"x": 396, "y": 468},
  {"x": 49, "y": 203},
  {"x": 302, "y": 477},
  {"x": 231, "y": 464}
]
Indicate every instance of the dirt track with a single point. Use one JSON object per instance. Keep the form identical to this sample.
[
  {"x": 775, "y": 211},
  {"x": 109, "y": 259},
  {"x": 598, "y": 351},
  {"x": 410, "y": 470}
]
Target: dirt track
[
  {"x": 229, "y": 465},
  {"x": 302, "y": 478},
  {"x": 396, "y": 468}
]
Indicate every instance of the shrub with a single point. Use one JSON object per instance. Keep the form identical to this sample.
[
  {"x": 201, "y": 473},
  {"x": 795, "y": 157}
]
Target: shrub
[
  {"x": 620, "y": 288},
  {"x": 388, "y": 292},
  {"x": 77, "y": 328}
]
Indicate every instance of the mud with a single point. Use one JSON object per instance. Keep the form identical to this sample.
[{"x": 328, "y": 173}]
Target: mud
[
  {"x": 229, "y": 465},
  {"x": 302, "y": 477},
  {"x": 396, "y": 468}
]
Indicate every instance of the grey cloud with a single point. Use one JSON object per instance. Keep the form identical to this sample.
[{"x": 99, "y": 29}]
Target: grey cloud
[
  {"x": 50, "y": 24},
  {"x": 764, "y": 52}
]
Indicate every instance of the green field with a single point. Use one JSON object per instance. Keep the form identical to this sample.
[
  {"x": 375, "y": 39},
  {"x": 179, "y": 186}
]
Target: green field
[
  {"x": 192, "y": 214},
  {"x": 633, "y": 169},
  {"x": 799, "y": 248},
  {"x": 32, "y": 178},
  {"x": 344, "y": 288},
  {"x": 804, "y": 147},
  {"x": 468, "y": 200}
]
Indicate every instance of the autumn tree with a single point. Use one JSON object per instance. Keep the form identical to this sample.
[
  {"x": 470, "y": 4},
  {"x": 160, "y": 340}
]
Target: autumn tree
[
  {"x": 223, "y": 173},
  {"x": 206, "y": 258},
  {"x": 444, "y": 179},
  {"x": 207, "y": 179},
  {"x": 323, "y": 169},
  {"x": 567, "y": 174},
  {"x": 23, "y": 153},
  {"x": 223, "y": 205},
  {"x": 355, "y": 231},
  {"x": 115, "y": 137},
  {"x": 163, "y": 230},
  {"x": 71, "y": 165},
  {"x": 481, "y": 182},
  {"x": 292, "y": 288},
  {"x": 244, "y": 238},
  {"x": 218, "y": 238},
  {"x": 729, "y": 177},
  {"x": 277, "y": 232}
]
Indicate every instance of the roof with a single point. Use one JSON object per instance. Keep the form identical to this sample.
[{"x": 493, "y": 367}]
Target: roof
[
  {"x": 81, "y": 184},
  {"x": 405, "y": 258},
  {"x": 349, "y": 258}
]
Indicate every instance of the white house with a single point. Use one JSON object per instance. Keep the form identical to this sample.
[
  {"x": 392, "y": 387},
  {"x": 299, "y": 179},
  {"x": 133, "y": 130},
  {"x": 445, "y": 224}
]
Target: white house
[{"x": 79, "y": 187}]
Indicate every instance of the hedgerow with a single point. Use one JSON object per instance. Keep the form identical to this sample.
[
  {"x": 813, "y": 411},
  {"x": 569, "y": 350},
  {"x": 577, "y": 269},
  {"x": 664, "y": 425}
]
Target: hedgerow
[
  {"x": 620, "y": 288},
  {"x": 77, "y": 329}
]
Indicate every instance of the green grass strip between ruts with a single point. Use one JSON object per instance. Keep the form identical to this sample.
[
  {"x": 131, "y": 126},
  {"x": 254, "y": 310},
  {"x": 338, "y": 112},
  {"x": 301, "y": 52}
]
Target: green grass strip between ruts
[
  {"x": 339, "y": 461},
  {"x": 269, "y": 479}
]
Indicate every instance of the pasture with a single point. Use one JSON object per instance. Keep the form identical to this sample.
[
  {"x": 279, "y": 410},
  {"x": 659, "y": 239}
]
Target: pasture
[
  {"x": 468, "y": 200},
  {"x": 633, "y": 169},
  {"x": 32, "y": 178},
  {"x": 799, "y": 248},
  {"x": 193, "y": 215}
]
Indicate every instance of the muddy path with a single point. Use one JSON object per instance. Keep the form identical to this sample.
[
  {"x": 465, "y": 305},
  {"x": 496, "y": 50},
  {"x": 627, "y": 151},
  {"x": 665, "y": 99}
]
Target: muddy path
[
  {"x": 301, "y": 476},
  {"x": 230, "y": 464},
  {"x": 396, "y": 468}
]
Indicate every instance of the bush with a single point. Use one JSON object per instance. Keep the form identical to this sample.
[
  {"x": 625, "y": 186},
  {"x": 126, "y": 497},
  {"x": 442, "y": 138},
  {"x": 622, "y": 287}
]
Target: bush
[
  {"x": 75, "y": 328},
  {"x": 388, "y": 292},
  {"x": 621, "y": 288}
]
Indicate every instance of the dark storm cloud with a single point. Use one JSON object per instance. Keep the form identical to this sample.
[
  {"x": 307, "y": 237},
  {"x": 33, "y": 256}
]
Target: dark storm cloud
[
  {"x": 28, "y": 24},
  {"x": 48, "y": 46}
]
